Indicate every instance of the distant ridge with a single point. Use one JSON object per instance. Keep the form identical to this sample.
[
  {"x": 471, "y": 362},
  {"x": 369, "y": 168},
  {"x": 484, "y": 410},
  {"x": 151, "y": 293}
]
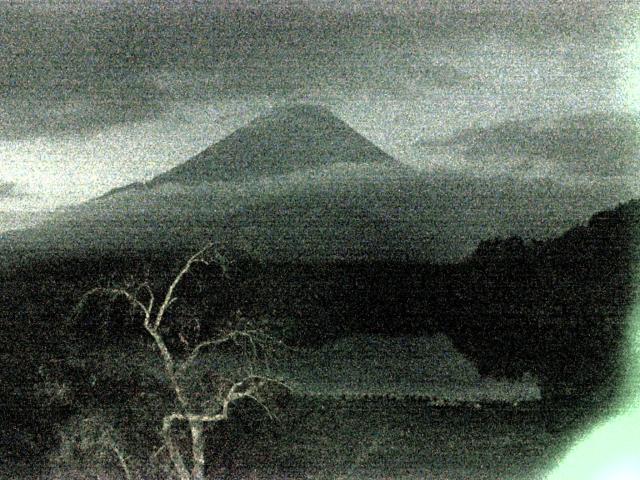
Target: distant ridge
[
  {"x": 287, "y": 139},
  {"x": 117, "y": 190}
]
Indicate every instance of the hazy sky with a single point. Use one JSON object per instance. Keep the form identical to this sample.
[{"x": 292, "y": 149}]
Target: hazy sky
[{"x": 98, "y": 94}]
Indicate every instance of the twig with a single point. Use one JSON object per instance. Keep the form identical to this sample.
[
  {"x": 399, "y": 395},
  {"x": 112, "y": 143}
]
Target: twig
[{"x": 169, "y": 298}]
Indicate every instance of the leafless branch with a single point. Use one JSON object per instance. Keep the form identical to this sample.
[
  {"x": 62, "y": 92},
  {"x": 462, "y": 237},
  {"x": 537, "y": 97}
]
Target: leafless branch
[
  {"x": 146, "y": 288},
  {"x": 198, "y": 257},
  {"x": 115, "y": 293},
  {"x": 256, "y": 338}
]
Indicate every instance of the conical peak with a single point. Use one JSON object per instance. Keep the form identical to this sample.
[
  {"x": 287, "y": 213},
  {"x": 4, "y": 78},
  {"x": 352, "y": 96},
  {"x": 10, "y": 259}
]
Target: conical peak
[
  {"x": 302, "y": 109},
  {"x": 301, "y": 114},
  {"x": 288, "y": 138}
]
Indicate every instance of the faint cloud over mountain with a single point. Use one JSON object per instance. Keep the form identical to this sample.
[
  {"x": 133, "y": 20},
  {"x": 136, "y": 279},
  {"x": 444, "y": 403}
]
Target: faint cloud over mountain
[{"x": 602, "y": 144}]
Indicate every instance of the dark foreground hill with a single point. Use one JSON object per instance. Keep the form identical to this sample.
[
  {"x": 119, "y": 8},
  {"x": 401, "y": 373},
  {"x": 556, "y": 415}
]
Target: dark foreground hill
[{"x": 556, "y": 309}]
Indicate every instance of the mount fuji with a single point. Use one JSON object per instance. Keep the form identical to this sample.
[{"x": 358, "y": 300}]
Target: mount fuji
[{"x": 299, "y": 184}]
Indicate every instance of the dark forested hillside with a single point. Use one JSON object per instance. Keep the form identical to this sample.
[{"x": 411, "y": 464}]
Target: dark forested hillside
[
  {"x": 559, "y": 305},
  {"x": 554, "y": 308}
]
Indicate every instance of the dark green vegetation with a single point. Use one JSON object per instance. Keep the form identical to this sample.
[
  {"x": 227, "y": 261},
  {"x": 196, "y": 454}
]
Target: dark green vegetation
[
  {"x": 554, "y": 308},
  {"x": 370, "y": 438}
]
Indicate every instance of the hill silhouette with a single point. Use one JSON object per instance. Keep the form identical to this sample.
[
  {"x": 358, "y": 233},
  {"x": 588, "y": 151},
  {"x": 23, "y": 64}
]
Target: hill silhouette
[{"x": 301, "y": 136}]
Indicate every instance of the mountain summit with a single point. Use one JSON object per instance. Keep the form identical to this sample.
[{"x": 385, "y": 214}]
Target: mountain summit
[{"x": 300, "y": 136}]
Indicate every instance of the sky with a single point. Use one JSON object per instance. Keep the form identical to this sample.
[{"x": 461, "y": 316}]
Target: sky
[{"x": 97, "y": 94}]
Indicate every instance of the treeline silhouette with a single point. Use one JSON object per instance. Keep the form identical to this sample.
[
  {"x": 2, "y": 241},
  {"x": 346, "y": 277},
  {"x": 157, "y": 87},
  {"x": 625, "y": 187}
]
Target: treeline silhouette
[{"x": 555, "y": 308}]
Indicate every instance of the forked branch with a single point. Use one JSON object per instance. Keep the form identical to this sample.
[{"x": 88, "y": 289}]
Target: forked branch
[{"x": 198, "y": 257}]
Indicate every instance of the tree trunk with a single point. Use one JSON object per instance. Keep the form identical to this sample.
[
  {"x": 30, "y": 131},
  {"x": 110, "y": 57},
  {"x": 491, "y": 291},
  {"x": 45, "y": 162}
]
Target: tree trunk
[
  {"x": 174, "y": 452},
  {"x": 197, "y": 444}
]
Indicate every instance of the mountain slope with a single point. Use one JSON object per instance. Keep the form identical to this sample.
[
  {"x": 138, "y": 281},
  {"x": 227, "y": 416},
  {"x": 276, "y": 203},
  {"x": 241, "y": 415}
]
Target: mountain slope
[
  {"x": 288, "y": 156},
  {"x": 286, "y": 140}
]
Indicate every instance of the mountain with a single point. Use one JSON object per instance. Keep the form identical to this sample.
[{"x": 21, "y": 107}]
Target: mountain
[
  {"x": 289, "y": 157},
  {"x": 300, "y": 137},
  {"x": 300, "y": 184},
  {"x": 286, "y": 140}
]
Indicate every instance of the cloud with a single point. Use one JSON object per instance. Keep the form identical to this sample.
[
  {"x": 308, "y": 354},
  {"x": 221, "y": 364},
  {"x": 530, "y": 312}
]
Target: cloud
[
  {"x": 81, "y": 66},
  {"x": 72, "y": 72},
  {"x": 596, "y": 144},
  {"x": 58, "y": 109}
]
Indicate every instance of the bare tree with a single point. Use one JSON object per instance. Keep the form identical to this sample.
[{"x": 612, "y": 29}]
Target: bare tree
[{"x": 222, "y": 396}]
